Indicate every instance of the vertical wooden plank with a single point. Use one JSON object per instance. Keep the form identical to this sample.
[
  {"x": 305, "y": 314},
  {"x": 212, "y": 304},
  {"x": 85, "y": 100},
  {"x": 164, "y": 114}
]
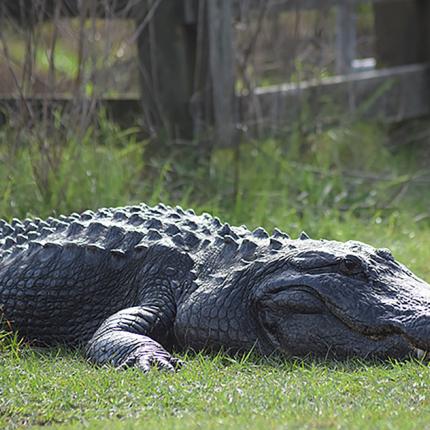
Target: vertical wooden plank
[
  {"x": 187, "y": 69},
  {"x": 166, "y": 50},
  {"x": 221, "y": 68},
  {"x": 402, "y": 31},
  {"x": 345, "y": 36},
  {"x": 190, "y": 10}
]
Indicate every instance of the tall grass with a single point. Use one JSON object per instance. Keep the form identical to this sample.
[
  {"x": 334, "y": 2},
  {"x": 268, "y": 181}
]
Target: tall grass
[
  {"x": 47, "y": 175},
  {"x": 334, "y": 174}
]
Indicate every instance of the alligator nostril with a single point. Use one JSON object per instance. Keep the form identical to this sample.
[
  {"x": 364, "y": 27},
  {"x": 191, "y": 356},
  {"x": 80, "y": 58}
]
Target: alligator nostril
[{"x": 385, "y": 253}]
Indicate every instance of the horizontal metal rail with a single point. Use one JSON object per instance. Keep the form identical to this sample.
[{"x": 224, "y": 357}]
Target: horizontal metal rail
[
  {"x": 390, "y": 95},
  {"x": 307, "y": 4}
]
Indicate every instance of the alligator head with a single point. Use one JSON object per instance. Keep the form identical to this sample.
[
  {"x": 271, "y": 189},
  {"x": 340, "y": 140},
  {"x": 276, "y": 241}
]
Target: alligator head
[{"x": 326, "y": 298}]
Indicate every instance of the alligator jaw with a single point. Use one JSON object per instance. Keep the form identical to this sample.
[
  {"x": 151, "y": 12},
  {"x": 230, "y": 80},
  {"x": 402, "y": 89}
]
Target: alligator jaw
[{"x": 415, "y": 351}]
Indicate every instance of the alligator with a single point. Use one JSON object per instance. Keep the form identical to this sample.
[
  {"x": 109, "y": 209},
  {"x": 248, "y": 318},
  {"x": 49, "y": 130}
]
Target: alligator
[{"x": 132, "y": 285}]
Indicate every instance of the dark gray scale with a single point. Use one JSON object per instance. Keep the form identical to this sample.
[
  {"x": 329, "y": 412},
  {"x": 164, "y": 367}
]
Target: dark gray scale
[
  {"x": 153, "y": 235},
  {"x": 278, "y": 234},
  {"x": 74, "y": 285},
  {"x": 131, "y": 239},
  {"x": 226, "y": 230},
  {"x": 16, "y": 223},
  {"x": 260, "y": 233},
  {"x": 96, "y": 229},
  {"x": 7, "y": 230},
  {"x": 275, "y": 243},
  {"x": 247, "y": 249},
  {"x": 120, "y": 216},
  {"x": 171, "y": 229},
  {"x": 136, "y": 219}
]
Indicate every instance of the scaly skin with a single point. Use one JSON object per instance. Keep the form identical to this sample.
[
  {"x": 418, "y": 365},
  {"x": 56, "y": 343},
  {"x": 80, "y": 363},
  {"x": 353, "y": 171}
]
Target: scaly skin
[{"x": 132, "y": 283}]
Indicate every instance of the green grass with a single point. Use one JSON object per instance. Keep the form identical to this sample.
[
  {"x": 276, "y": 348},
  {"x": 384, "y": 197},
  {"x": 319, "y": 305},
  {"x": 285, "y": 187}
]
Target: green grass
[
  {"x": 68, "y": 171},
  {"x": 63, "y": 390},
  {"x": 341, "y": 183}
]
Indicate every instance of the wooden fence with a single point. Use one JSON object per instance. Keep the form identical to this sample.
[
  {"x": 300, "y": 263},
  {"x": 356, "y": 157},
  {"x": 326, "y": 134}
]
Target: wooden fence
[{"x": 186, "y": 53}]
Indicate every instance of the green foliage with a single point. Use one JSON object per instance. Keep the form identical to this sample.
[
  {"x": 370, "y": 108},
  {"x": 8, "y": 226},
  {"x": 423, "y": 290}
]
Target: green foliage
[
  {"x": 68, "y": 172},
  {"x": 10, "y": 343},
  {"x": 340, "y": 173},
  {"x": 340, "y": 183}
]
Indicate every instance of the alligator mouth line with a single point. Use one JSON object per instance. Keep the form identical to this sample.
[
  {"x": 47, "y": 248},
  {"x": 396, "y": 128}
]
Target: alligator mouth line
[
  {"x": 419, "y": 353},
  {"x": 382, "y": 332}
]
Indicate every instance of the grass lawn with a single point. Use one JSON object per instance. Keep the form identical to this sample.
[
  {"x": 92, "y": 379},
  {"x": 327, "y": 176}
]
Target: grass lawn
[
  {"x": 214, "y": 392},
  {"x": 328, "y": 192}
]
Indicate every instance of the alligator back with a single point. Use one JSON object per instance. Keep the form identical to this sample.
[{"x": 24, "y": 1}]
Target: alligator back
[{"x": 60, "y": 278}]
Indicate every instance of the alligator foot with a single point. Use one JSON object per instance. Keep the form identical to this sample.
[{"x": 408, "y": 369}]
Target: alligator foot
[
  {"x": 121, "y": 341},
  {"x": 147, "y": 357}
]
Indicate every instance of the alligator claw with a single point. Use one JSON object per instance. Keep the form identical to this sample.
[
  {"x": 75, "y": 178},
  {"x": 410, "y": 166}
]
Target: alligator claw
[
  {"x": 161, "y": 362},
  {"x": 146, "y": 357},
  {"x": 146, "y": 360}
]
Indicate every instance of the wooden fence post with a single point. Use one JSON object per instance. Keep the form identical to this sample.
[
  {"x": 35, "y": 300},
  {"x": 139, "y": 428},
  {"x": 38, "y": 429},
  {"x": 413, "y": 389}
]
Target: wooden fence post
[
  {"x": 221, "y": 68},
  {"x": 166, "y": 49},
  {"x": 345, "y": 36},
  {"x": 186, "y": 65},
  {"x": 402, "y": 31}
]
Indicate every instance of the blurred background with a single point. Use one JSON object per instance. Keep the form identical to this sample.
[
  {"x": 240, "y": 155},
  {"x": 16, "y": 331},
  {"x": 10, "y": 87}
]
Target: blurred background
[{"x": 303, "y": 114}]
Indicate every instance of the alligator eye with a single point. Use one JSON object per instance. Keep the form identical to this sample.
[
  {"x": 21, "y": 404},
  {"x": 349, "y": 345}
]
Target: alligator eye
[{"x": 351, "y": 264}]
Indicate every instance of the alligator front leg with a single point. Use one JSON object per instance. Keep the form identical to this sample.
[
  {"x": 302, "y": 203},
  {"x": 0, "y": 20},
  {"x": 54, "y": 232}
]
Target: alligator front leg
[{"x": 125, "y": 340}]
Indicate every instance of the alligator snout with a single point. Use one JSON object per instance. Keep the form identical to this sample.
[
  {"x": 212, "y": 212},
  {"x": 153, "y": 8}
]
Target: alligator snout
[{"x": 417, "y": 333}]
